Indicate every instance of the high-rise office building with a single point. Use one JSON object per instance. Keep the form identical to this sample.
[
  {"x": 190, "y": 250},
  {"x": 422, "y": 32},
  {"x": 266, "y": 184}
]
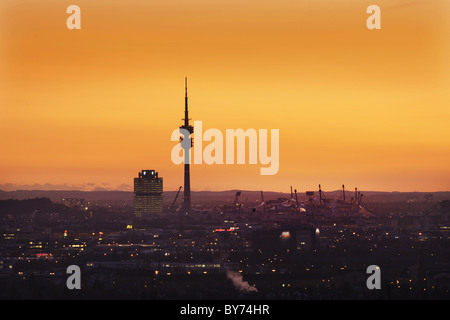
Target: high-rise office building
[{"x": 148, "y": 193}]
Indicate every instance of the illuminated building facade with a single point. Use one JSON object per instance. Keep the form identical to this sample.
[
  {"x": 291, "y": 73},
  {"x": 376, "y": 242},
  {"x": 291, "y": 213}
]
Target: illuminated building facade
[{"x": 148, "y": 193}]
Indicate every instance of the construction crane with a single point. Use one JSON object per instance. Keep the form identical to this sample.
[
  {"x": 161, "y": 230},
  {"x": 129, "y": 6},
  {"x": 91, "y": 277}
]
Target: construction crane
[
  {"x": 174, "y": 200},
  {"x": 321, "y": 195},
  {"x": 236, "y": 200},
  {"x": 262, "y": 201}
]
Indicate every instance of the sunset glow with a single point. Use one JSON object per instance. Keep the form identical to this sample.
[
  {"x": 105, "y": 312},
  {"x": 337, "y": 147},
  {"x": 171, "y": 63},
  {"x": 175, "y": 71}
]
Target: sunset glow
[{"x": 88, "y": 109}]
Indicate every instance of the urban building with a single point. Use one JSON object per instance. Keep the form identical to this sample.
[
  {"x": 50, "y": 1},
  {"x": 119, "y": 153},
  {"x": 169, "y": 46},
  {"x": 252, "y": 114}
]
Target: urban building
[{"x": 148, "y": 193}]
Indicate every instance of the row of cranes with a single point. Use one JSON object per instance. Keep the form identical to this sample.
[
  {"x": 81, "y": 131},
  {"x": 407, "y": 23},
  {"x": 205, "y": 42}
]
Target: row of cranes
[
  {"x": 310, "y": 205},
  {"x": 315, "y": 204}
]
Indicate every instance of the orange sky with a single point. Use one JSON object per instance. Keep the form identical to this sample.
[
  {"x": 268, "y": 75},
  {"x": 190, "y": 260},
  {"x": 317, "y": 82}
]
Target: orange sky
[{"x": 89, "y": 108}]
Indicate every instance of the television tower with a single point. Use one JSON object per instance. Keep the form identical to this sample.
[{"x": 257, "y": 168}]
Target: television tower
[{"x": 187, "y": 179}]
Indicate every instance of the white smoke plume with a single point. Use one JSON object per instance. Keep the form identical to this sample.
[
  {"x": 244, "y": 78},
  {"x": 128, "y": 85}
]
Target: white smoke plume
[{"x": 239, "y": 282}]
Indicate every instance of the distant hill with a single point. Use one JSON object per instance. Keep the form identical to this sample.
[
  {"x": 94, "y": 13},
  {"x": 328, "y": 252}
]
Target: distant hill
[
  {"x": 220, "y": 196},
  {"x": 58, "y": 195},
  {"x": 39, "y": 205}
]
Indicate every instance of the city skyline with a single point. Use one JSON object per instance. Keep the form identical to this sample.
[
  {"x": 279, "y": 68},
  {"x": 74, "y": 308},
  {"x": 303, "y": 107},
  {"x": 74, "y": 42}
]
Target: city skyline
[
  {"x": 87, "y": 109},
  {"x": 226, "y": 157}
]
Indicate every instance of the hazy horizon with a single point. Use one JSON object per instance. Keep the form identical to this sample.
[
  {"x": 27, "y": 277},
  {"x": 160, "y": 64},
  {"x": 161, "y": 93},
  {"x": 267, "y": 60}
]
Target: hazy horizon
[
  {"x": 7, "y": 188},
  {"x": 90, "y": 108}
]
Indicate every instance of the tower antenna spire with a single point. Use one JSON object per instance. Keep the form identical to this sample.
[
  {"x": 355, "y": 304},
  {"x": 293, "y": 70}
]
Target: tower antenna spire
[{"x": 186, "y": 111}]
